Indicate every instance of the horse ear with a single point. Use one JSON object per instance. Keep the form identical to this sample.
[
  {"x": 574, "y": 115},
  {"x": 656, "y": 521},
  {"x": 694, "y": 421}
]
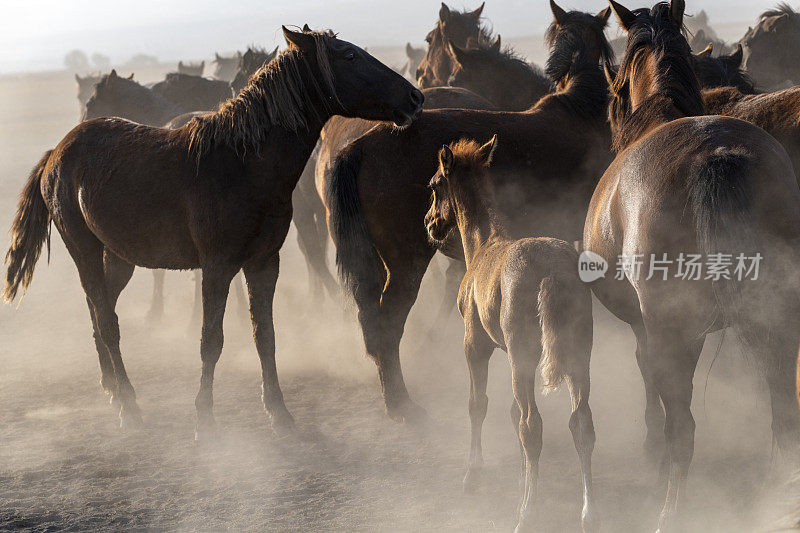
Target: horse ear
[
  {"x": 444, "y": 13},
  {"x": 275, "y": 52},
  {"x": 495, "y": 46},
  {"x": 626, "y": 18},
  {"x": 486, "y": 152},
  {"x": 306, "y": 29},
  {"x": 706, "y": 52},
  {"x": 77, "y": 78},
  {"x": 216, "y": 56},
  {"x": 113, "y": 73},
  {"x": 300, "y": 40},
  {"x": 559, "y": 15},
  {"x": 603, "y": 16},
  {"x": 131, "y": 76},
  {"x": 676, "y": 10},
  {"x": 446, "y": 159},
  {"x": 737, "y": 56},
  {"x": 477, "y": 13},
  {"x": 611, "y": 75},
  {"x": 409, "y": 49},
  {"x": 203, "y": 64}
]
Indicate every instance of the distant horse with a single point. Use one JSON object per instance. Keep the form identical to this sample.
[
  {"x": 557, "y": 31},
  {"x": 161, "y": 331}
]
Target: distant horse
[
  {"x": 86, "y": 87},
  {"x": 191, "y": 69},
  {"x": 459, "y": 28},
  {"x": 723, "y": 70},
  {"x": 226, "y": 67},
  {"x": 522, "y": 296},
  {"x": 771, "y": 48},
  {"x": 193, "y": 93},
  {"x": 546, "y": 169},
  {"x": 122, "y": 97},
  {"x": 214, "y": 195},
  {"x": 500, "y": 76},
  {"x": 413, "y": 59},
  {"x": 685, "y": 185},
  {"x": 252, "y": 60}
]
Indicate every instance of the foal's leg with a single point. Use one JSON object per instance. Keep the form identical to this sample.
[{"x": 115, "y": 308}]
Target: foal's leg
[
  {"x": 524, "y": 358},
  {"x": 653, "y": 412},
  {"x": 156, "y": 311},
  {"x": 216, "y": 281},
  {"x": 582, "y": 428},
  {"x": 478, "y": 348},
  {"x": 261, "y": 279},
  {"x": 674, "y": 357}
]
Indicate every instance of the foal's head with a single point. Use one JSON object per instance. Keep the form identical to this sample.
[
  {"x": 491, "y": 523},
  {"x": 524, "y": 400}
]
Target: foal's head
[
  {"x": 722, "y": 71},
  {"x": 657, "y": 69},
  {"x": 576, "y": 41},
  {"x": 459, "y": 187},
  {"x": 460, "y": 28}
]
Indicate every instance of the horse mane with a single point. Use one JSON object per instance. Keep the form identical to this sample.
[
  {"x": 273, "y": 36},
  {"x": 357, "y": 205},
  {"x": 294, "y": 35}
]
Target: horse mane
[
  {"x": 282, "y": 93},
  {"x": 569, "y": 59},
  {"x": 485, "y": 34},
  {"x": 675, "y": 80},
  {"x": 781, "y": 9}
]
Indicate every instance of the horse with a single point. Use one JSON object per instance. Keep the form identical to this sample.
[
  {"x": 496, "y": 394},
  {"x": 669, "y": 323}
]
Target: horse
[
  {"x": 460, "y": 28},
  {"x": 689, "y": 187},
  {"x": 122, "y": 97},
  {"x": 772, "y": 46},
  {"x": 723, "y": 70},
  {"x": 214, "y": 194},
  {"x": 413, "y": 59},
  {"x": 193, "y": 93},
  {"x": 252, "y": 60},
  {"x": 226, "y": 67},
  {"x": 500, "y": 76},
  {"x": 191, "y": 69},
  {"x": 522, "y": 296},
  {"x": 545, "y": 173},
  {"x": 86, "y": 87}
]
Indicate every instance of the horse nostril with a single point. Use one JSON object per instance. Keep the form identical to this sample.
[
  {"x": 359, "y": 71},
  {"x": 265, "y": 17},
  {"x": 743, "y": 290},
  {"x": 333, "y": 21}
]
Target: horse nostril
[{"x": 416, "y": 97}]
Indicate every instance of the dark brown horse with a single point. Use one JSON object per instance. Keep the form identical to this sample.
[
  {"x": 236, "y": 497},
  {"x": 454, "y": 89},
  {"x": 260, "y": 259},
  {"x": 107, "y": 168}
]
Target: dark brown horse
[
  {"x": 500, "y": 76},
  {"x": 459, "y": 28},
  {"x": 191, "y": 69},
  {"x": 771, "y": 48},
  {"x": 193, "y": 93},
  {"x": 413, "y": 59},
  {"x": 723, "y": 70},
  {"x": 214, "y": 195},
  {"x": 86, "y": 87},
  {"x": 252, "y": 60},
  {"x": 545, "y": 172},
  {"x": 226, "y": 67},
  {"x": 522, "y": 296},
  {"x": 685, "y": 185}
]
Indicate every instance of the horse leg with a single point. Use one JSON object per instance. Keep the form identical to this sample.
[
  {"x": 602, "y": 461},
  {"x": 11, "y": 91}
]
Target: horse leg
[
  {"x": 478, "y": 349},
  {"x": 399, "y": 294},
  {"x": 582, "y": 428},
  {"x": 312, "y": 244},
  {"x": 673, "y": 359},
  {"x": 242, "y": 303},
  {"x": 524, "y": 358},
  {"x": 156, "y": 311},
  {"x": 261, "y": 281},
  {"x": 780, "y": 367},
  {"x": 197, "y": 305},
  {"x": 653, "y": 412},
  {"x": 516, "y": 416},
  {"x": 452, "y": 282},
  {"x": 216, "y": 280}
]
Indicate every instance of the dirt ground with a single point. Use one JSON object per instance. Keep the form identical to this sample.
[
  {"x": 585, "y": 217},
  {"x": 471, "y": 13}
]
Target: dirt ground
[{"x": 65, "y": 465}]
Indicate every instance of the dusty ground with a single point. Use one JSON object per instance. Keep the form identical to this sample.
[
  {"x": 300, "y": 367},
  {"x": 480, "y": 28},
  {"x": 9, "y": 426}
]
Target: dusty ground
[{"x": 64, "y": 464}]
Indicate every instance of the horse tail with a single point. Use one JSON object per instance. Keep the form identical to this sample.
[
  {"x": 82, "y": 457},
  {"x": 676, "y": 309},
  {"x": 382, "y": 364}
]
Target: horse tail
[
  {"x": 565, "y": 316},
  {"x": 356, "y": 256},
  {"x": 28, "y": 233},
  {"x": 721, "y": 200}
]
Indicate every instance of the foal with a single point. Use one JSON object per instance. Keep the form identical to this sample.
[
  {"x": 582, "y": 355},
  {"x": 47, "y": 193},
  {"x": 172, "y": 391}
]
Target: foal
[{"x": 524, "y": 297}]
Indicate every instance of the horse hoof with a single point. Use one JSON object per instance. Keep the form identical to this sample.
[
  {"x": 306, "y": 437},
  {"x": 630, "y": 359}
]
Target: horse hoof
[
  {"x": 282, "y": 424},
  {"x": 524, "y": 526},
  {"x": 590, "y": 523},
  {"x": 409, "y": 413},
  {"x": 472, "y": 480},
  {"x": 130, "y": 421},
  {"x": 206, "y": 433}
]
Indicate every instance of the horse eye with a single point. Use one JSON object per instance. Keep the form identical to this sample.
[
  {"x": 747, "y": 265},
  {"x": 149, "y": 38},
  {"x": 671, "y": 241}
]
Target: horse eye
[{"x": 350, "y": 55}]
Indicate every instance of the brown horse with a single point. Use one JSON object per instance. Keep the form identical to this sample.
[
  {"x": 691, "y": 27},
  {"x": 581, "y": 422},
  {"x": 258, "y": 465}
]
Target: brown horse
[
  {"x": 500, "y": 76},
  {"x": 226, "y": 67},
  {"x": 86, "y": 87},
  {"x": 723, "y": 70},
  {"x": 252, "y": 60},
  {"x": 191, "y": 69},
  {"x": 193, "y": 93},
  {"x": 545, "y": 171},
  {"x": 413, "y": 59},
  {"x": 214, "y": 195},
  {"x": 771, "y": 48},
  {"x": 522, "y": 296},
  {"x": 685, "y": 185},
  {"x": 459, "y": 28}
]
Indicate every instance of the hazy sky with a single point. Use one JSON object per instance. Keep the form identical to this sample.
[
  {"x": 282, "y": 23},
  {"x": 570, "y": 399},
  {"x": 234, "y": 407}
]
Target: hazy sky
[{"x": 35, "y": 34}]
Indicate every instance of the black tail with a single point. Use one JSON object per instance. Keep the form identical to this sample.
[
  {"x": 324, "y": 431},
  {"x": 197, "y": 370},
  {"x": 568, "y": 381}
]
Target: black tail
[
  {"x": 356, "y": 257},
  {"x": 721, "y": 199},
  {"x": 28, "y": 233}
]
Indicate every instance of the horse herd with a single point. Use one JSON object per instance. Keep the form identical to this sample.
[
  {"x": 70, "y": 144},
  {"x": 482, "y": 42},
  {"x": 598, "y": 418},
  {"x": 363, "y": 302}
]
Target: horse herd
[{"x": 497, "y": 165}]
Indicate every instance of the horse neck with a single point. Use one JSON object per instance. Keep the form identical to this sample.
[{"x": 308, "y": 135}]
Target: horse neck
[
  {"x": 478, "y": 222},
  {"x": 584, "y": 92},
  {"x": 522, "y": 88}
]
